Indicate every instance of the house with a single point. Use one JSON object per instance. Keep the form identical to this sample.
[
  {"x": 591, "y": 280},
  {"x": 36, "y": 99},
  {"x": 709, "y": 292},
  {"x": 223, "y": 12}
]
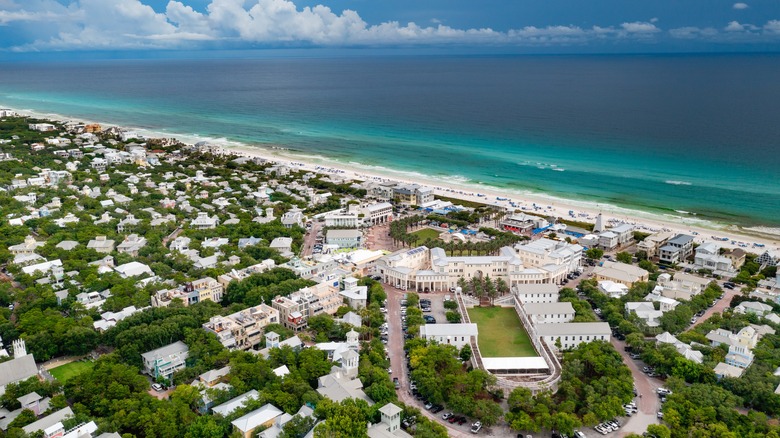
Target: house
[
  {"x": 215, "y": 242},
  {"x": 612, "y": 289},
  {"x": 283, "y": 245},
  {"x": 109, "y": 319},
  {"x": 231, "y": 405},
  {"x": 450, "y": 334},
  {"x": 295, "y": 309},
  {"x": 21, "y": 367},
  {"x": 127, "y": 224},
  {"x": 180, "y": 244},
  {"x": 204, "y": 222},
  {"x": 101, "y": 244},
  {"x": 344, "y": 238},
  {"x": 249, "y": 241},
  {"x": 652, "y": 243},
  {"x": 412, "y": 194},
  {"x": 682, "y": 287},
  {"x": 44, "y": 267},
  {"x": 293, "y": 218},
  {"x": 204, "y": 289},
  {"x": 646, "y": 312},
  {"x": 27, "y": 247},
  {"x": 133, "y": 269},
  {"x": 355, "y": 296},
  {"x": 754, "y": 307},
  {"x": 244, "y": 329},
  {"x": 278, "y": 427},
  {"x": 666, "y": 304},
  {"x": 708, "y": 257},
  {"x": 48, "y": 421},
  {"x": 212, "y": 377},
  {"x": 164, "y": 361},
  {"x": 572, "y": 334},
  {"x": 725, "y": 370},
  {"x": 540, "y": 313},
  {"x": 272, "y": 341},
  {"x": 389, "y": 425},
  {"x": 342, "y": 383},
  {"x": 740, "y": 345},
  {"x": 677, "y": 249},
  {"x": 131, "y": 245},
  {"x": 263, "y": 417},
  {"x": 620, "y": 273}
]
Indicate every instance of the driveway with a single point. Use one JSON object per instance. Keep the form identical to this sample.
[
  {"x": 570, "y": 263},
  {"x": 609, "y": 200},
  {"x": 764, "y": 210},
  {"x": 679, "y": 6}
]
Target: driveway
[
  {"x": 648, "y": 402},
  {"x": 310, "y": 237},
  {"x": 720, "y": 306},
  {"x": 395, "y": 347}
]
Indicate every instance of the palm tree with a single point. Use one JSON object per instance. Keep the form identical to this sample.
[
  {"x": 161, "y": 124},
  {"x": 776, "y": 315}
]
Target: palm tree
[
  {"x": 490, "y": 289},
  {"x": 501, "y": 286}
]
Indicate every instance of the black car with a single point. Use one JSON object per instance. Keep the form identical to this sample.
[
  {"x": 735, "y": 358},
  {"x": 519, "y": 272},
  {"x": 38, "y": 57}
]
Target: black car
[{"x": 437, "y": 408}]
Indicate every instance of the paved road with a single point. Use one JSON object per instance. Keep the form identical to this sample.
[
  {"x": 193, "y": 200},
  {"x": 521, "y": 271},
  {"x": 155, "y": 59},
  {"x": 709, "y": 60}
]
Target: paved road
[
  {"x": 649, "y": 404},
  {"x": 720, "y": 306},
  {"x": 309, "y": 238},
  {"x": 398, "y": 364}
]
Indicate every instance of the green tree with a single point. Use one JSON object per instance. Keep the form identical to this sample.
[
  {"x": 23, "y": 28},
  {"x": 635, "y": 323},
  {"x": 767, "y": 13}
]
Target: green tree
[
  {"x": 623, "y": 257},
  {"x": 594, "y": 254}
]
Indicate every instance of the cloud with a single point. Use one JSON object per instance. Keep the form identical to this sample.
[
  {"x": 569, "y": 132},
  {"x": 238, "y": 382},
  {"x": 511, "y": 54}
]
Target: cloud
[
  {"x": 134, "y": 24},
  {"x": 740, "y": 6},
  {"x": 772, "y": 26},
  {"x": 640, "y": 27},
  {"x": 692, "y": 32}
]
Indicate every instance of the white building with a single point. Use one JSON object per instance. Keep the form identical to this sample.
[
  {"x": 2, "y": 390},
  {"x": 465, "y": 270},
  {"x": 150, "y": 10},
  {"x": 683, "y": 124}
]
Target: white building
[
  {"x": 612, "y": 289},
  {"x": 377, "y": 213},
  {"x": 457, "y": 335},
  {"x": 204, "y": 222},
  {"x": 708, "y": 257},
  {"x": 543, "y": 313},
  {"x": 572, "y": 334},
  {"x": 164, "y": 361},
  {"x": 344, "y": 238},
  {"x": 536, "y": 293},
  {"x": 677, "y": 249}
]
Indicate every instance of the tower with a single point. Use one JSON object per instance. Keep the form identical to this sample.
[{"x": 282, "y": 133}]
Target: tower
[
  {"x": 352, "y": 340},
  {"x": 599, "y": 227},
  {"x": 20, "y": 350},
  {"x": 271, "y": 340},
  {"x": 350, "y": 361}
]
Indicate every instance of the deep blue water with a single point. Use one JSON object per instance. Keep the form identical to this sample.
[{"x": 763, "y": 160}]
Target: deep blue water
[{"x": 656, "y": 133}]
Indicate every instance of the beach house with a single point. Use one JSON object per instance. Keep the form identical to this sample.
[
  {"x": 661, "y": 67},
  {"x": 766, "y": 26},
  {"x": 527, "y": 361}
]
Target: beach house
[
  {"x": 677, "y": 249},
  {"x": 165, "y": 361}
]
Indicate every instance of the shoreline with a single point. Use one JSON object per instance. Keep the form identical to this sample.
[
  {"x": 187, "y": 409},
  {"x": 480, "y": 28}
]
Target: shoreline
[{"x": 532, "y": 203}]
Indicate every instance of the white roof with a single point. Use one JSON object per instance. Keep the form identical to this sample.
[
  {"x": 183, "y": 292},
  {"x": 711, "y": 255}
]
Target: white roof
[
  {"x": 573, "y": 328},
  {"x": 463, "y": 329},
  {"x": 256, "y": 418},
  {"x": 41, "y": 267},
  {"x": 563, "y": 307},
  {"x": 727, "y": 370},
  {"x": 231, "y": 405},
  {"x": 514, "y": 363},
  {"x": 134, "y": 269}
]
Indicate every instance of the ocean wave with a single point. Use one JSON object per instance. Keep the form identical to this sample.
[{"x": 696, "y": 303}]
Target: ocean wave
[{"x": 678, "y": 183}]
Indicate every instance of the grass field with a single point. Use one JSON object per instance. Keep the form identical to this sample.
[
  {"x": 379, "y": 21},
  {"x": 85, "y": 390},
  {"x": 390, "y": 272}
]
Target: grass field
[
  {"x": 425, "y": 234},
  {"x": 500, "y": 332},
  {"x": 65, "y": 372}
]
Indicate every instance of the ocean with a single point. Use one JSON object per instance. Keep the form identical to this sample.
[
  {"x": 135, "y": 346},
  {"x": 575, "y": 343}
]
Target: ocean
[{"x": 692, "y": 136}]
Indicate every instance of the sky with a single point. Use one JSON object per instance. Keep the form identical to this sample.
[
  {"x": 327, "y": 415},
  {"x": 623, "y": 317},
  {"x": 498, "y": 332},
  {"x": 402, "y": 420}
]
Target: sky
[{"x": 41, "y": 27}]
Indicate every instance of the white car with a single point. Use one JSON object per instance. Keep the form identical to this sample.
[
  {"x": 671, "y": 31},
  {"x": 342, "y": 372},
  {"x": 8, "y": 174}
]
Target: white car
[{"x": 476, "y": 427}]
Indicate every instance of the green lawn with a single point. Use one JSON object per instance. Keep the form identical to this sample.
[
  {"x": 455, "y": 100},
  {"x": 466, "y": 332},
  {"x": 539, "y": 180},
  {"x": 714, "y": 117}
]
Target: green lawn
[
  {"x": 426, "y": 233},
  {"x": 65, "y": 372},
  {"x": 500, "y": 332}
]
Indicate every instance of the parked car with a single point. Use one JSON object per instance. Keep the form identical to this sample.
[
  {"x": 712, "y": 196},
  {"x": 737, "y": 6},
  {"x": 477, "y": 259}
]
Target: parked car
[
  {"x": 157, "y": 387},
  {"x": 476, "y": 427},
  {"x": 447, "y": 416}
]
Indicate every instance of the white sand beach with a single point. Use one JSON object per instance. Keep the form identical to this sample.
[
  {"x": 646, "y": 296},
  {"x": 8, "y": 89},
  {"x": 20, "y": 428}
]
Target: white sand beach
[{"x": 755, "y": 239}]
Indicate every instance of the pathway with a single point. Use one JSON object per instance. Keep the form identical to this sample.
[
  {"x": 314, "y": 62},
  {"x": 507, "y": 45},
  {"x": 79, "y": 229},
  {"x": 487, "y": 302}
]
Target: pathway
[{"x": 648, "y": 403}]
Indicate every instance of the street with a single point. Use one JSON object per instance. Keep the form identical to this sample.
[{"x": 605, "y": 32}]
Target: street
[{"x": 308, "y": 239}]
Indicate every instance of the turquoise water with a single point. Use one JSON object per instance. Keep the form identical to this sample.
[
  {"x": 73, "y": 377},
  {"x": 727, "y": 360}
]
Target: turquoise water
[{"x": 658, "y": 134}]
